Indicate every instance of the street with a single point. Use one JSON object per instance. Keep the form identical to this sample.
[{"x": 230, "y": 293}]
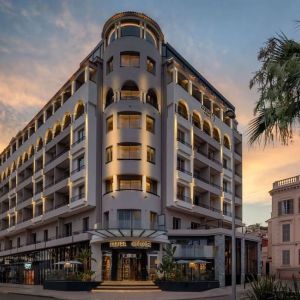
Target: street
[{"x": 9, "y": 296}]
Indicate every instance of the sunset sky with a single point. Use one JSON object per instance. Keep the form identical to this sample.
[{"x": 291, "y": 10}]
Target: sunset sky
[{"x": 43, "y": 42}]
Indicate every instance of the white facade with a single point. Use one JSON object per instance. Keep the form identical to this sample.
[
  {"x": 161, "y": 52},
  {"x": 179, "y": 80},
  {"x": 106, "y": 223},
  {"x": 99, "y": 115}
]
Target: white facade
[{"x": 149, "y": 156}]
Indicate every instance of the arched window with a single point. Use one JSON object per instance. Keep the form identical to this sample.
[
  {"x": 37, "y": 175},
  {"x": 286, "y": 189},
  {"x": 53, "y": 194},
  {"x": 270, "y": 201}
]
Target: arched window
[
  {"x": 130, "y": 91},
  {"x": 13, "y": 168},
  {"x": 182, "y": 110},
  {"x": 79, "y": 110},
  {"x": 19, "y": 161},
  {"x": 196, "y": 120},
  {"x": 130, "y": 30},
  {"x": 57, "y": 130},
  {"x": 206, "y": 128},
  {"x": 226, "y": 142},
  {"x": 66, "y": 121},
  {"x": 49, "y": 136},
  {"x": 151, "y": 98},
  {"x": 216, "y": 135},
  {"x": 39, "y": 144},
  {"x": 25, "y": 157},
  {"x": 109, "y": 98},
  {"x": 31, "y": 151}
]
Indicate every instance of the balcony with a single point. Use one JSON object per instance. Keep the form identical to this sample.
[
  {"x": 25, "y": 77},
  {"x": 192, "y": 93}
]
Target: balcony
[
  {"x": 206, "y": 184},
  {"x": 184, "y": 146},
  {"x": 53, "y": 186},
  {"x": 209, "y": 207},
  {"x": 78, "y": 173},
  {"x": 78, "y": 145},
  {"x": 207, "y": 159},
  {"x": 184, "y": 174},
  {"x": 57, "y": 159}
]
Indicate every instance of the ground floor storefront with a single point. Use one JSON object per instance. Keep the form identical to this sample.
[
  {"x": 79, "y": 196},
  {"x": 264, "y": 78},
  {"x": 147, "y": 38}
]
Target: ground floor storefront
[{"x": 33, "y": 267}]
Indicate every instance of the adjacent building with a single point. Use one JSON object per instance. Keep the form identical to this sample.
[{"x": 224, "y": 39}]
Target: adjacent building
[
  {"x": 283, "y": 234},
  {"x": 136, "y": 150}
]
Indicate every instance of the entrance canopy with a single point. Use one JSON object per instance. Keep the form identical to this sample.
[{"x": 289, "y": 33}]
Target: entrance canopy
[{"x": 132, "y": 233}]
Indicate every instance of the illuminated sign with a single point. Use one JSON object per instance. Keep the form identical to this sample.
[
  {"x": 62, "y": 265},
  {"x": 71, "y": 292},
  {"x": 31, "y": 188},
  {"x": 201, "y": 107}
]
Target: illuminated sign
[
  {"x": 28, "y": 266},
  {"x": 132, "y": 244}
]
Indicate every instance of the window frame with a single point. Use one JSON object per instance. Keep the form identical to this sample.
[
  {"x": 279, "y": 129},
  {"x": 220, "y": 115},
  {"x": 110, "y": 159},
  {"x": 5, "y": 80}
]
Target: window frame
[
  {"x": 109, "y": 158},
  {"x": 110, "y": 65},
  {"x": 131, "y": 55},
  {"x": 108, "y": 127},
  {"x": 152, "y": 119},
  {"x": 149, "y": 155},
  {"x": 153, "y": 62}
]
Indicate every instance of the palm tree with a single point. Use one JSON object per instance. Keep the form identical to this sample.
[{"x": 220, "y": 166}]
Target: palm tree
[
  {"x": 85, "y": 257},
  {"x": 278, "y": 82}
]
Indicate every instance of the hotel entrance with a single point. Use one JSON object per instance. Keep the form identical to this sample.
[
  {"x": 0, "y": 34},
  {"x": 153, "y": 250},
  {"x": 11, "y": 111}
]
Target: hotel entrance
[{"x": 128, "y": 261}]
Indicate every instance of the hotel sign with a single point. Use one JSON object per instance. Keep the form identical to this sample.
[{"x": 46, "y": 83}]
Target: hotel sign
[{"x": 131, "y": 244}]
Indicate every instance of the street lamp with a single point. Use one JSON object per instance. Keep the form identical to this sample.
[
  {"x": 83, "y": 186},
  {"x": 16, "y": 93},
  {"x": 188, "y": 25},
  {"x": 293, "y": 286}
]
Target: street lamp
[{"x": 231, "y": 114}]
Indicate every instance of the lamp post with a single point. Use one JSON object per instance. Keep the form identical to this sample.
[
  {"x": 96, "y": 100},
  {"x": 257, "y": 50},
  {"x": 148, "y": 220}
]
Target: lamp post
[{"x": 231, "y": 114}]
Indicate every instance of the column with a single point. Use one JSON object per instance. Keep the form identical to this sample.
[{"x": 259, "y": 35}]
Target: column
[
  {"x": 243, "y": 262},
  {"x": 220, "y": 259},
  {"x": 86, "y": 74},
  {"x": 96, "y": 266},
  {"x": 73, "y": 87},
  {"x": 259, "y": 259}
]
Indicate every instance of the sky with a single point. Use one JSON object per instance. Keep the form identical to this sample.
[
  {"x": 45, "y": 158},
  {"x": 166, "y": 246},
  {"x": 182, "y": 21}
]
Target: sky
[{"x": 43, "y": 42}]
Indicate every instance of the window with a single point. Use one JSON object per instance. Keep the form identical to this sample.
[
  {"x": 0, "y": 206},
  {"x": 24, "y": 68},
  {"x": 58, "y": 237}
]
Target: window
[
  {"x": 195, "y": 225},
  {"x": 225, "y": 163},
  {"x": 108, "y": 154},
  {"x": 182, "y": 110},
  {"x": 130, "y": 182},
  {"x": 130, "y": 91},
  {"x": 176, "y": 223},
  {"x": 180, "y": 136},
  {"x": 150, "y": 124},
  {"x": 68, "y": 229},
  {"x": 151, "y": 186},
  {"x": 226, "y": 185},
  {"x": 33, "y": 238},
  {"x": 226, "y": 142},
  {"x": 129, "y": 120},
  {"x": 80, "y": 163},
  {"x": 180, "y": 163},
  {"x": 109, "y": 98},
  {"x": 109, "y": 65},
  {"x": 150, "y": 65},
  {"x": 85, "y": 224},
  {"x": 81, "y": 192},
  {"x": 109, "y": 124},
  {"x": 130, "y": 30},
  {"x": 180, "y": 191},
  {"x": 151, "y": 154},
  {"x": 285, "y": 232},
  {"x": 129, "y": 219},
  {"x": 285, "y": 207},
  {"x": 285, "y": 257},
  {"x": 80, "y": 135},
  {"x": 130, "y": 59},
  {"x": 153, "y": 220},
  {"x": 129, "y": 151},
  {"x": 106, "y": 220},
  {"x": 18, "y": 242},
  {"x": 108, "y": 185},
  {"x": 151, "y": 98},
  {"x": 45, "y": 235}
]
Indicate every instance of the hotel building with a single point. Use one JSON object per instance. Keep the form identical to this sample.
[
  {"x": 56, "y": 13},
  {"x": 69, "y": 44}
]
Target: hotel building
[
  {"x": 284, "y": 238},
  {"x": 136, "y": 150}
]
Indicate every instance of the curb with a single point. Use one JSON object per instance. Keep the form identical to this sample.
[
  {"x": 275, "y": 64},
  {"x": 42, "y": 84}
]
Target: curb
[{"x": 34, "y": 295}]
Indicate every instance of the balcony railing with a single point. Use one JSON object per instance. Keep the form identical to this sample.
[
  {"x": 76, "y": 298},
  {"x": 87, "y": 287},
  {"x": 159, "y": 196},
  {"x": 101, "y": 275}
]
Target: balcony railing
[
  {"x": 61, "y": 178},
  {"x": 77, "y": 197},
  {"x": 184, "y": 198},
  {"x": 56, "y": 156},
  {"x": 199, "y": 177},
  {"x": 210, "y": 207},
  {"x": 184, "y": 142},
  {"x": 78, "y": 169},
  {"x": 78, "y": 141},
  {"x": 184, "y": 171}
]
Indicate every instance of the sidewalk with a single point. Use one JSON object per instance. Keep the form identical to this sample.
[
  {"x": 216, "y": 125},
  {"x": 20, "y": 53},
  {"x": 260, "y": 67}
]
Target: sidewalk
[{"x": 38, "y": 290}]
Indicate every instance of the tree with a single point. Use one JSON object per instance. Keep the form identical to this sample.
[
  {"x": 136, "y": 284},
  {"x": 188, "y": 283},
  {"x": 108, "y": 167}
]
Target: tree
[
  {"x": 85, "y": 257},
  {"x": 168, "y": 264},
  {"x": 278, "y": 83}
]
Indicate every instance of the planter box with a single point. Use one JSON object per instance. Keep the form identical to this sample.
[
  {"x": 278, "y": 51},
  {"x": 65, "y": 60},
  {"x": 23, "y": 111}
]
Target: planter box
[
  {"x": 186, "y": 286},
  {"x": 62, "y": 285}
]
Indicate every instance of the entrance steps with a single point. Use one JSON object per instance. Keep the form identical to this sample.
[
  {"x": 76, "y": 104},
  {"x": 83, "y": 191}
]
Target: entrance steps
[{"x": 125, "y": 285}]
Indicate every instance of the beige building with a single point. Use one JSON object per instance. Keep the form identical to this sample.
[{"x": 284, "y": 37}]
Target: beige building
[
  {"x": 283, "y": 229},
  {"x": 136, "y": 150}
]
